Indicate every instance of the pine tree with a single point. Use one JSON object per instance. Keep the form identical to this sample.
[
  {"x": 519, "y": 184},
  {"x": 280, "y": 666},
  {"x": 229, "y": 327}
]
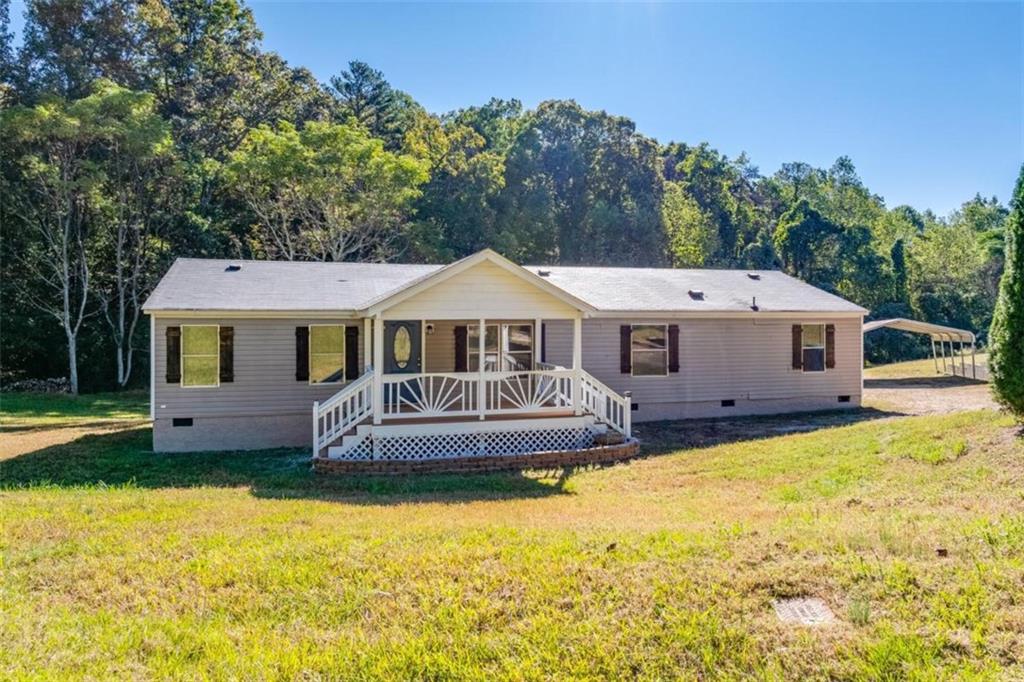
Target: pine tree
[
  {"x": 1006, "y": 336},
  {"x": 899, "y": 270}
]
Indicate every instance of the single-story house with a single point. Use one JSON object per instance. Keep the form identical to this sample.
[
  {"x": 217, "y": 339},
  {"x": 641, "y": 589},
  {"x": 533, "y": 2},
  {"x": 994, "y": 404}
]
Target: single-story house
[{"x": 482, "y": 357}]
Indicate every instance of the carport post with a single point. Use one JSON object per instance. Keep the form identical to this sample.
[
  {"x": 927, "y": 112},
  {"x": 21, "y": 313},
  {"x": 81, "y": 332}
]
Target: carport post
[
  {"x": 963, "y": 367},
  {"x": 974, "y": 362},
  {"x": 935, "y": 356}
]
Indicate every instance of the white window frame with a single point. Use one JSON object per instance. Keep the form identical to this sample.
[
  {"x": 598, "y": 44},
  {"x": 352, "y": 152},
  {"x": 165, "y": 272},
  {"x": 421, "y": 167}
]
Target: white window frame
[
  {"x": 633, "y": 351},
  {"x": 502, "y": 336},
  {"x": 823, "y": 347},
  {"x": 182, "y": 354},
  {"x": 309, "y": 356},
  {"x": 504, "y": 351}
]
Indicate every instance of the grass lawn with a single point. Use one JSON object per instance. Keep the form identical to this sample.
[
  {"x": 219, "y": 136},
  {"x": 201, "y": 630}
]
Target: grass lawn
[
  {"x": 118, "y": 563},
  {"x": 34, "y": 410}
]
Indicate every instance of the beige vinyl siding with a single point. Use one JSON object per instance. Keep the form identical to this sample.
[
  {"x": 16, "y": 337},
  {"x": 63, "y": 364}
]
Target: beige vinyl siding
[
  {"x": 484, "y": 290},
  {"x": 264, "y": 379},
  {"x": 719, "y": 359}
]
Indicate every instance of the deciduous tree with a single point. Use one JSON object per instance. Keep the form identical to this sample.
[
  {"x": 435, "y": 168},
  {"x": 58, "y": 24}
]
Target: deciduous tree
[{"x": 327, "y": 192}]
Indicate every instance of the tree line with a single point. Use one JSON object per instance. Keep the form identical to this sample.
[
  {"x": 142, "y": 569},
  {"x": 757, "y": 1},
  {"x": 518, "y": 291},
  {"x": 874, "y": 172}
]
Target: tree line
[{"x": 133, "y": 132}]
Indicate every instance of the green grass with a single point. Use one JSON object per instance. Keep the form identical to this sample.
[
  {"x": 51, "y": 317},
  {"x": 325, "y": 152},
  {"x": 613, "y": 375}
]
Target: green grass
[
  {"x": 33, "y": 410},
  {"x": 118, "y": 563}
]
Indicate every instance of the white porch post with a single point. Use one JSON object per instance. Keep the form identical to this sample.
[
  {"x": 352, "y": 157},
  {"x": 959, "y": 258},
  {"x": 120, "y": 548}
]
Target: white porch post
[
  {"x": 481, "y": 382},
  {"x": 367, "y": 343},
  {"x": 577, "y": 365},
  {"x": 378, "y": 369},
  {"x": 538, "y": 335}
]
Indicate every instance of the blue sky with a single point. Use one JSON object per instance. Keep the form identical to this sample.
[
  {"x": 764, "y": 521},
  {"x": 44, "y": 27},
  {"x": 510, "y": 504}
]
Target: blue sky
[{"x": 925, "y": 98}]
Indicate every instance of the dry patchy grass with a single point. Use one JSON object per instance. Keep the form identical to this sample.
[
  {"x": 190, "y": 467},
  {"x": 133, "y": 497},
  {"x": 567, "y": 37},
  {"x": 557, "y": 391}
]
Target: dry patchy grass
[
  {"x": 121, "y": 563},
  {"x": 912, "y": 368}
]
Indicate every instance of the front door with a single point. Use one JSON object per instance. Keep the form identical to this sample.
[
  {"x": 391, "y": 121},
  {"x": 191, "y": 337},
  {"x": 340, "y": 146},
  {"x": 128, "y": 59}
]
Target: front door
[
  {"x": 403, "y": 354},
  {"x": 403, "y": 347}
]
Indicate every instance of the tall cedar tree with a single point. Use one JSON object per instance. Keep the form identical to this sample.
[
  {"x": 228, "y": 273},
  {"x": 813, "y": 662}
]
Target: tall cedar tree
[{"x": 1007, "y": 332}]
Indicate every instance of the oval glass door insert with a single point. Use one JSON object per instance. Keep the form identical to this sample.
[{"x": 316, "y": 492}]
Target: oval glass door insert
[{"x": 403, "y": 347}]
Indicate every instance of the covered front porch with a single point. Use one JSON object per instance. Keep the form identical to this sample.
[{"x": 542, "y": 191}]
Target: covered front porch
[
  {"x": 430, "y": 378},
  {"x": 455, "y": 367}
]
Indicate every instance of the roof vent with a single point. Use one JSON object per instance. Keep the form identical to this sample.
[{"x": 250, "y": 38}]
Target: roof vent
[
  {"x": 754, "y": 275},
  {"x": 753, "y": 304},
  {"x": 696, "y": 294},
  {"x": 544, "y": 273},
  {"x": 233, "y": 268}
]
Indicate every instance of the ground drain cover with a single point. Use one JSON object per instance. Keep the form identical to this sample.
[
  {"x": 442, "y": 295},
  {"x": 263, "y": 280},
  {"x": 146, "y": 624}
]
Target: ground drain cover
[{"x": 803, "y": 611}]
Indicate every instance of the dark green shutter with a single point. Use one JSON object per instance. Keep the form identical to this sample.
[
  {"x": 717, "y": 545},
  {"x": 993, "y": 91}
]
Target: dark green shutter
[
  {"x": 351, "y": 352},
  {"x": 626, "y": 349},
  {"x": 302, "y": 353},
  {"x": 227, "y": 355},
  {"x": 461, "y": 343},
  {"x": 830, "y": 346},
  {"x": 673, "y": 348},
  {"x": 798, "y": 346},
  {"x": 173, "y": 336}
]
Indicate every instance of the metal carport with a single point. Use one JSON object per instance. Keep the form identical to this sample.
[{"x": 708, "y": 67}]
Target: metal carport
[{"x": 942, "y": 335}]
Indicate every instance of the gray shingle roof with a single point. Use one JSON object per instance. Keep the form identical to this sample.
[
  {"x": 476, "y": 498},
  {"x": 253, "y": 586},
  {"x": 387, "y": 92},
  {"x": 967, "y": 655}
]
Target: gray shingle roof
[
  {"x": 276, "y": 286},
  {"x": 668, "y": 290},
  {"x": 206, "y": 284}
]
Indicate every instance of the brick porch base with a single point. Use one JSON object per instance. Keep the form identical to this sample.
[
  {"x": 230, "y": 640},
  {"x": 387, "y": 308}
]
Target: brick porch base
[{"x": 538, "y": 460}]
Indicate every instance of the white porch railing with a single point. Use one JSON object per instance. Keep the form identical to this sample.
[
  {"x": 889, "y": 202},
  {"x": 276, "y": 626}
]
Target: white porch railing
[
  {"x": 446, "y": 394},
  {"x": 608, "y": 406},
  {"x": 548, "y": 390},
  {"x": 528, "y": 391},
  {"x": 597, "y": 399},
  {"x": 450, "y": 394},
  {"x": 339, "y": 413}
]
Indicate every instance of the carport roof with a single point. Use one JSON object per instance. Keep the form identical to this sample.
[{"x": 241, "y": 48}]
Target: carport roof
[{"x": 938, "y": 332}]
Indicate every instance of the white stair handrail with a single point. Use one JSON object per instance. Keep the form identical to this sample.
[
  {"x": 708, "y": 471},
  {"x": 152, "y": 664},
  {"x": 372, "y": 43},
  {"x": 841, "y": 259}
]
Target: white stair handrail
[
  {"x": 601, "y": 401},
  {"x": 608, "y": 406},
  {"x": 339, "y": 413}
]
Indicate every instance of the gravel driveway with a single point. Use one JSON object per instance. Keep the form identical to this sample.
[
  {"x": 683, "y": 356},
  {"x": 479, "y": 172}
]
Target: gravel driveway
[{"x": 934, "y": 395}]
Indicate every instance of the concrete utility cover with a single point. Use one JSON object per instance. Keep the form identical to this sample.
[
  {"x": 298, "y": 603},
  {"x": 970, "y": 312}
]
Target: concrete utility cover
[{"x": 803, "y": 611}]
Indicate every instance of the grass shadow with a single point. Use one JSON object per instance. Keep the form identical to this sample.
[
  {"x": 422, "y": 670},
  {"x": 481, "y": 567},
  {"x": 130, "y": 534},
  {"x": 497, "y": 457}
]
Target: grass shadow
[
  {"x": 923, "y": 382},
  {"x": 663, "y": 437},
  {"x": 126, "y": 458}
]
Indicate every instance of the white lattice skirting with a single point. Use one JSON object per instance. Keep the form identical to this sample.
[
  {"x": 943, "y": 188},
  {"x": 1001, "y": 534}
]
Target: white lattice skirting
[{"x": 496, "y": 442}]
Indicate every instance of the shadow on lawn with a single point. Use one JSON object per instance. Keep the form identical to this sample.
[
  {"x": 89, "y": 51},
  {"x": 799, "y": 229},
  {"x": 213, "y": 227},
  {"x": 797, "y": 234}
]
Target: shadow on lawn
[
  {"x": 126, "y": 458},
  {"x": 659, "y": 438},
  {"x": 923, "y": 382}
]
